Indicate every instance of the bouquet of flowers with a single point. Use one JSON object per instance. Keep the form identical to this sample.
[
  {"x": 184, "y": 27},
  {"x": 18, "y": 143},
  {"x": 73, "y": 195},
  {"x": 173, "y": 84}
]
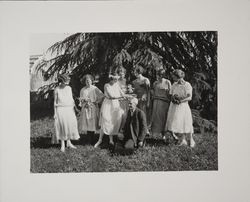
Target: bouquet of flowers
[
  {"x": 176, "y": 99},
  {"x": 85, "y": 102},
  {"x": 87, "y": 105},
  {"x": 130, "y": 89}
]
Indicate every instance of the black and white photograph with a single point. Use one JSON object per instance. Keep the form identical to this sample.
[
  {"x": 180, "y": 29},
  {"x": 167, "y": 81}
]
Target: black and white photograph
[{"x": 123, "y": 101}]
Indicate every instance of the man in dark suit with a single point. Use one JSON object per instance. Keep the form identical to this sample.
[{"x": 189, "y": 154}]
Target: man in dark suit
[{"x": 133, "y": 133}]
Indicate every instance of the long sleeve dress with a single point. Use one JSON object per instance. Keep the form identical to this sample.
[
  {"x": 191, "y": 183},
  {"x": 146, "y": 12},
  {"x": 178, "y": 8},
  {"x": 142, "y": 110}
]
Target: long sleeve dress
[{"x": 89, "y": 117}]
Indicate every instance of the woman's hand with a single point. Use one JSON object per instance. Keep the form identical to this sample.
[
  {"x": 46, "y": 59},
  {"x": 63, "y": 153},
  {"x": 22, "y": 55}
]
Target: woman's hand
[
  {"x": 120, "y": 136},
  {"x": 55, "y": 112},
  {"x": 144, "y": 97},
  {"x": 77, "y": 110},
  {"x": 148, "y": 104}
]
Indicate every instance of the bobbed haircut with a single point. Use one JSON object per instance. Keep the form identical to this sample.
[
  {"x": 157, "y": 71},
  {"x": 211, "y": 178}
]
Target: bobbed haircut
[
  {"x": 161, "y": 72},
  {"x": 121, "y": 69},
  {"x": 139, "y": 69},
  {"x": 179, "y": 73},
  {"x": 85, "y": 77},
  {"x": 63, "y": 78}
]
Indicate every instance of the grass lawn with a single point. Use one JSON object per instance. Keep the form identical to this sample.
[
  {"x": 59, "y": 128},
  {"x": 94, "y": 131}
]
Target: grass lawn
[{"x": 155, "y": 156}]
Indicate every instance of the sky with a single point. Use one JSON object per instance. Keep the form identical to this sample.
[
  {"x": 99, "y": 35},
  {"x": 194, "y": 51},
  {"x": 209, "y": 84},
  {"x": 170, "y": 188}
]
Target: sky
[{"x": 39, "y": 43}]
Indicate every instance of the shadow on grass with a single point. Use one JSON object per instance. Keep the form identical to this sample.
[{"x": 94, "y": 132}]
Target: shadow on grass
[
  {"x": 41, "y": 142},
  {"x": 44, "y": 142},
  {"x": 154, "y": 142}
]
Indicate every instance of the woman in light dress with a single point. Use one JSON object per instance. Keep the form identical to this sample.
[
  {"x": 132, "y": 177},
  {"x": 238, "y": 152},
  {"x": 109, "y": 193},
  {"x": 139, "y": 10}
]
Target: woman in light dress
[
  {"x": 161, "y": 101},
  {"x": 121, "y": 71},
  {"x": 65, "y": 118},
  {"x": 90, "y": 97},
  {"x": 179, "y": 119},
  {"x": 123, "y": 85},
  {"x": 111, "y": 111}
]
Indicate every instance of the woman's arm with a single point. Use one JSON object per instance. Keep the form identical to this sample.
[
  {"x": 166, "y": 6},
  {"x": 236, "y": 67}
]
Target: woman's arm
[
  {"x": 169, "y": 88},
  {"x": 73, "y": 102},
  {"x": 80, "y": 98},
  {"x": 55, "y": 102},
  {"x": 188, "y": 89},
  {"x": 152, "y": 91},
  {"x": 121, "y": 91},
  {"x": 55, "y": 98},
  {"x": 186, "y": 99},
  {"x": 71, "y": 95},
  {"x": 107, "y": 93},
  {"x": 142, "y": 126},
  {"x": 148, "y": 92},
  {"x": 99, "y": 95}
]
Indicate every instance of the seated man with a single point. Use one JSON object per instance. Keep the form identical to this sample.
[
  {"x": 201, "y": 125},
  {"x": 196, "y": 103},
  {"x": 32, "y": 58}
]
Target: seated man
[{"x": 132, "y": 135}]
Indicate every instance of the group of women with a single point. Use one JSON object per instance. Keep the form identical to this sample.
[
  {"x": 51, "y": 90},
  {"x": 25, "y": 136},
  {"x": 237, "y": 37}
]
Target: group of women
[{"x": 165, "y": 105}]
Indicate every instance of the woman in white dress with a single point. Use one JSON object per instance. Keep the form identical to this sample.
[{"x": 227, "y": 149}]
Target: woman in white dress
[
  {"x": 179, "y": 119},
  {"x": 65, "y": 118},
  {"x": 111, "y": 111},
  {"x": 90, "y": 97},
  {"x": 121, "y": 71}
]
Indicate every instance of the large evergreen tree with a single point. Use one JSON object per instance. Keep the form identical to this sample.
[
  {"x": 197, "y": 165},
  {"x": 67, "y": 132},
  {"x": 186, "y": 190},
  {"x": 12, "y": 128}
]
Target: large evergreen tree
[{"x": 100, "y": 53}]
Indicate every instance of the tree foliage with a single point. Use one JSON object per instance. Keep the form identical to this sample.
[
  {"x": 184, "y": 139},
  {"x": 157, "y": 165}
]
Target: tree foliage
[{"x": 101, "y": 53}]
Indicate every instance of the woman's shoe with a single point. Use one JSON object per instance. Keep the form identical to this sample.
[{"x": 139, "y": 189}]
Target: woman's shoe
[
  {"x": 164, "y": 139},
  {"x": 112, "y": 143},
  {"x": 71, "y": 146},
  {"x": 192, "y": 143},
  {"x": 62, "y": 149},
  {"x": 97, "y": 144},
  {"x": 183, "y": 142}
]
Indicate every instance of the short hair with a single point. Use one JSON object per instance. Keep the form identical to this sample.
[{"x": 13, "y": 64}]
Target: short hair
[
  {"x": 85, "y": 77},
  {"x": 134, "y": 100},
  {"x": 161, "y": 72},
  {"x": 179, "y": 73},
  {"x": 63, "y": 78},
  {"x": 113, "y": 76},
  {"x": 139, "y": 69},
  {"x": 121, "y": 69}
]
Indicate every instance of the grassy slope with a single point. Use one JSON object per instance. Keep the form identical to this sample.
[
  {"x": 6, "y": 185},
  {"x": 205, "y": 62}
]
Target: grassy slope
[{"x": 154, "y": 157}]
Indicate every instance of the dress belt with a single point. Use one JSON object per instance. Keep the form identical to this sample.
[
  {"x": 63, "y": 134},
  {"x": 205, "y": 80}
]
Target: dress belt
[
  {"x": 64, "y": 105},
  {"x": 162, "y": 99}
]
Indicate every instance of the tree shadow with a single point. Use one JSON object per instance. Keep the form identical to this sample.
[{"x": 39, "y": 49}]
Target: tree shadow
[
  {"x": 154, "y": 142},
  {"x": 39, "y": 112},
  {"x": 151, "y": 141},
  {"x": 42, "y": 142}
]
